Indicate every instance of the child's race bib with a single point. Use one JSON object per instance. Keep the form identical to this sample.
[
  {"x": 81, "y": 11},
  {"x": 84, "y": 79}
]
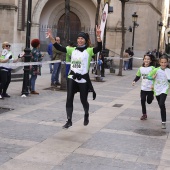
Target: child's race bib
[{"x": 76, "y": 64}]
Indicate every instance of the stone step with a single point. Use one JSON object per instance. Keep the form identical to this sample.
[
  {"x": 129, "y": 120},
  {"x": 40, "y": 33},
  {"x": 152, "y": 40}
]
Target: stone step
[
  {"x": 17, "y": 74},
  {"x": 16, "y": 77},
  {"x": 17, "y": 69}
]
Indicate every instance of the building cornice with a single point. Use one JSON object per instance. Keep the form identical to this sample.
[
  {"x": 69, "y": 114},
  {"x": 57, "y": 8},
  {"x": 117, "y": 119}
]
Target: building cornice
[
  {"x": 140, "y": 2},
  {"x": 8, "y": 7}
]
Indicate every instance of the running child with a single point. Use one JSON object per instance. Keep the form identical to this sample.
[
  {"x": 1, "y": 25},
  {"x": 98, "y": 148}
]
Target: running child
[
  {"x": 146, "y": 93},
  {"x": 161, "y": 79}
]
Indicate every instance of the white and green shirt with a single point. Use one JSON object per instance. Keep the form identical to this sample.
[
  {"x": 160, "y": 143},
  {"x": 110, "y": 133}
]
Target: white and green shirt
[
  {"x": 80, "y": 61},
  {"x": 161, "y": 84},
  {"x": 5, "y": 55},
  {"x": 146, "y": 85}
]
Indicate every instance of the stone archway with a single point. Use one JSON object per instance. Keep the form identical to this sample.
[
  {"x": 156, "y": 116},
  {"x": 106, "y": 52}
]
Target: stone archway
[{"x": 56, "y": 10}]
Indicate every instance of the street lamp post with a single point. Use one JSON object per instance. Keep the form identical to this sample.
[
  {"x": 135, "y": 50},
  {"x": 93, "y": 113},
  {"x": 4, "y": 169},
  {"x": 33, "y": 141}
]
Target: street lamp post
[
  {"x": 160, "y": 28},
  {"x": 134, "y": 20},
  {"x": 27, "y": 51}
]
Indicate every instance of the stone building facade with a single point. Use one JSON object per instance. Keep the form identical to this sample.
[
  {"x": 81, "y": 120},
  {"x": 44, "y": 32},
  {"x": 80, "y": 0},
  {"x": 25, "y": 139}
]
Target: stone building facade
[{"x": 50, "y": 13}]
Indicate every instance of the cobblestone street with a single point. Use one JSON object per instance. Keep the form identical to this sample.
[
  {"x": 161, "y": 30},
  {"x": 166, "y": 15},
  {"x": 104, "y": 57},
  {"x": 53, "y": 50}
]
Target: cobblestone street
[{"x": 32, "y": 138}]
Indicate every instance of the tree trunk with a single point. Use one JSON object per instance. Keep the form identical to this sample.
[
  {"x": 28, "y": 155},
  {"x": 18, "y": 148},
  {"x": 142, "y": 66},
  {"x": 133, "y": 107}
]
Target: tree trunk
[
  {"x": 65, "y": 43},
  {"x": 123, "y": 39}
]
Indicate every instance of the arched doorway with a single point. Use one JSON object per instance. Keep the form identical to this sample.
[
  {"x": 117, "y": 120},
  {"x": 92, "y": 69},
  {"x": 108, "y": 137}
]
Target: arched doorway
[{"x": 75, "y": 27}]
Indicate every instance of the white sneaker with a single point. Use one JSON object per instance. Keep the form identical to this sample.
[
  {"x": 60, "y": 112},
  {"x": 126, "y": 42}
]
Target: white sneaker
[
  {"x": 163, "y": 125},
  {"x": 1, "y": 97}
]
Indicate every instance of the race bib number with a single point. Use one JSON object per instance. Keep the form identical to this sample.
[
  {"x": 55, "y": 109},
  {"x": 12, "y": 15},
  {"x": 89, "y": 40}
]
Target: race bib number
[
  {"x": 76, "y": 64},
  {"x": 144, "y": 76}
]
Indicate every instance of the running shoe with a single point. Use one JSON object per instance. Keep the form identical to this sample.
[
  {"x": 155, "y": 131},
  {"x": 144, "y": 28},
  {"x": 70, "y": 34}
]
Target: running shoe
[
  {"x": 67, "y": 125},
  {"x": 144, "y": 117}
]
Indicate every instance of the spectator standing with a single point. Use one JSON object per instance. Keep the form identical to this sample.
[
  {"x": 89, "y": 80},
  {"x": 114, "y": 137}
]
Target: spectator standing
[
  {"x": 149, "y": 52},
  {"x": 50, "y": 53},
  {"x": 154, "y": 52},
  {"x": 5, "y": 71},
  {"x": 57, "y": 66},
  {"x": 35, "y": 69},
  {"x": 126, "y": 59},
  {"x": 99, "y": 62},
  {"x": 160, "y": 54},
  {"x": 131, "y": 54}
]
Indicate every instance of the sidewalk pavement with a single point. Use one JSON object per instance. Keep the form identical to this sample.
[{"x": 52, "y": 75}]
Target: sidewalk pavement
[{"x": 32, "y": 138}]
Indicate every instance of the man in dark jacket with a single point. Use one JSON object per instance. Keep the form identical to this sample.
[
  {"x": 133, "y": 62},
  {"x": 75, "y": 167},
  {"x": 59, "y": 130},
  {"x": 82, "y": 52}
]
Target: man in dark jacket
[{"x": 130, "y": 65}]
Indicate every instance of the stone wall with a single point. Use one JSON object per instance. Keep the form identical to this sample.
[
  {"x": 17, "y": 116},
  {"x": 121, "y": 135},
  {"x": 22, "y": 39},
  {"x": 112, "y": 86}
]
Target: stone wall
[
  {"x": 146, "y": 34},
  {"x": 48, "y": 12},
  {"x": 8, "y": 28},
  {"x": 8, "y": 11}
]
